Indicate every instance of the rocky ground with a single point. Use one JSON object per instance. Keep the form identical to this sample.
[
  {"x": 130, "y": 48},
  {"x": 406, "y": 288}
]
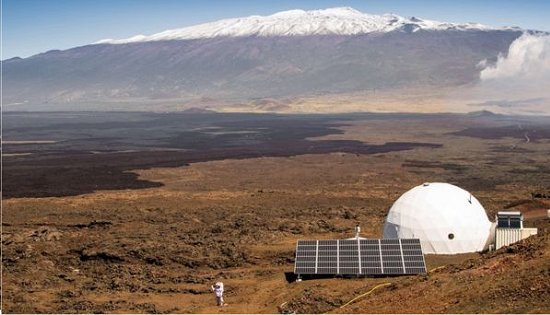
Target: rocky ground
[{"x": 158, "y": 249}]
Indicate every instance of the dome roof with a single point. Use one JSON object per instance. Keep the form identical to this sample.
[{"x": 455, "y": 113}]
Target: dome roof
[{"x": 447, "y": 219}]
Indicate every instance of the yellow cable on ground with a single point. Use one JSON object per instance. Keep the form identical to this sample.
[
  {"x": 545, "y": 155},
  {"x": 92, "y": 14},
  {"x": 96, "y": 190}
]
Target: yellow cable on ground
[
  {"x": 380, "y": 286},
  {"x": 437, "y": 268},
  {"x": 365, "y": 294}
]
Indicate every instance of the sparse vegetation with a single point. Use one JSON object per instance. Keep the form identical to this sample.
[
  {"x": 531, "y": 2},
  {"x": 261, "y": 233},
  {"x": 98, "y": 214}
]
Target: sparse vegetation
[{"x": 158, "y": 249}]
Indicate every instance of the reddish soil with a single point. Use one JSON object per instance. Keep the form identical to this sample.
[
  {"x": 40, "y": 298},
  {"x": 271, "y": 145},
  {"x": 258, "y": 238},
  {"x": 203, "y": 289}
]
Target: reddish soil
[{"x": 158, "y": 249}]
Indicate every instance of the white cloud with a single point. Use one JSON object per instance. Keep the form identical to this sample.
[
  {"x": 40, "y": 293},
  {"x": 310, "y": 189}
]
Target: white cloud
[
  {"x": 518, "y": 82},
  {"x": 528, "y": 58}
]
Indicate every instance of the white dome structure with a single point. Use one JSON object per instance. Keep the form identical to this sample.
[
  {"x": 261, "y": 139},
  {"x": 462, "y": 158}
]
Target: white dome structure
[{"x": 447, "y": 219}]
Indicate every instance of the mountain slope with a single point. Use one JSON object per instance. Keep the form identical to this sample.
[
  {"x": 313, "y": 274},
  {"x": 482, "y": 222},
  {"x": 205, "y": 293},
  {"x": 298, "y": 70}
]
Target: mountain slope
[{"x": 240, "y": 68}]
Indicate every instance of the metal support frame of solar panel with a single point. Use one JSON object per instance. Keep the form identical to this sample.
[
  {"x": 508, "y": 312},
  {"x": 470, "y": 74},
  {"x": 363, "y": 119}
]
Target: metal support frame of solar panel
[{"x": 359, "y": 257}]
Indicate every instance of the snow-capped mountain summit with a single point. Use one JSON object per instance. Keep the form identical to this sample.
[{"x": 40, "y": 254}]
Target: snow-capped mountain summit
[{"x": 333, "y": 21}]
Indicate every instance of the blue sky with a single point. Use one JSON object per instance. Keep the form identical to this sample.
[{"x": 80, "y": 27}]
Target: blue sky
[{"x": 33, "y": 26}]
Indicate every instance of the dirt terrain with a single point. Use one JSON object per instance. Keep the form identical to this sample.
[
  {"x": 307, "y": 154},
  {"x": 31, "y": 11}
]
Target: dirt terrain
[{"x": 158, "y": 249}]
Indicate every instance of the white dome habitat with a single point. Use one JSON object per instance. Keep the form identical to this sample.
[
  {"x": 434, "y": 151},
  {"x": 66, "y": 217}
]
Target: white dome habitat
[{"x": 447, "y": 219}]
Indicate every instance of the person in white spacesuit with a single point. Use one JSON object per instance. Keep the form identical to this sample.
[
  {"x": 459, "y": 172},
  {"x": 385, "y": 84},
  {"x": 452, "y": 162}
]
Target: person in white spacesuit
[{"x": 217, "y": 288}]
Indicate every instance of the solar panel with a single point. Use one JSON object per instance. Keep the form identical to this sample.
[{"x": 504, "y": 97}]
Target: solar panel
[{"x": 359, "y": 257}]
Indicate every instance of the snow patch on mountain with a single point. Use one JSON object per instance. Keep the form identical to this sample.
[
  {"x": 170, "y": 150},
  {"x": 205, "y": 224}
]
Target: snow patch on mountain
[{"x": 333, "y": 21}]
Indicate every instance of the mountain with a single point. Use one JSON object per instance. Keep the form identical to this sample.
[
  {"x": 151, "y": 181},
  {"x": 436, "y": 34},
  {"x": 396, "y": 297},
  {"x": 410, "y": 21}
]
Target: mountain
[
  {"x": 287, "y": 54},
  {"x": 335, "y": 21}
]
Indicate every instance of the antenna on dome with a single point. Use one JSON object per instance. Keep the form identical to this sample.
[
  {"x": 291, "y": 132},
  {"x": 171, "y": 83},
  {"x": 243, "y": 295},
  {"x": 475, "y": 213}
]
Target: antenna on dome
[
  {"x": 357, "y": 231},
  {"x": 470, "y": 199}
]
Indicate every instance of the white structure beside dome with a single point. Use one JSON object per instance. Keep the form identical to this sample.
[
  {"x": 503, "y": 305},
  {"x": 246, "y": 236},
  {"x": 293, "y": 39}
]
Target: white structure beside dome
[{"x": 447, "y": 219}]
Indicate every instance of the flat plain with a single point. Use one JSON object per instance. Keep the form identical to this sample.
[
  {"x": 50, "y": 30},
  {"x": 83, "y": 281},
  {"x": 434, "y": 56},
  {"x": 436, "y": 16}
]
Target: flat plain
[{"x": 142, "y": 212}]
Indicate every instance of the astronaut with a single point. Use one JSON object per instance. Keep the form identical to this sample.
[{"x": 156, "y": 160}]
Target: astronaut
[{"x": 217, "y": 288}]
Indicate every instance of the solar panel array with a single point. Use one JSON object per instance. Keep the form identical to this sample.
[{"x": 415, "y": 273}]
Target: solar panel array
[{"x": 359, "y": 257}]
